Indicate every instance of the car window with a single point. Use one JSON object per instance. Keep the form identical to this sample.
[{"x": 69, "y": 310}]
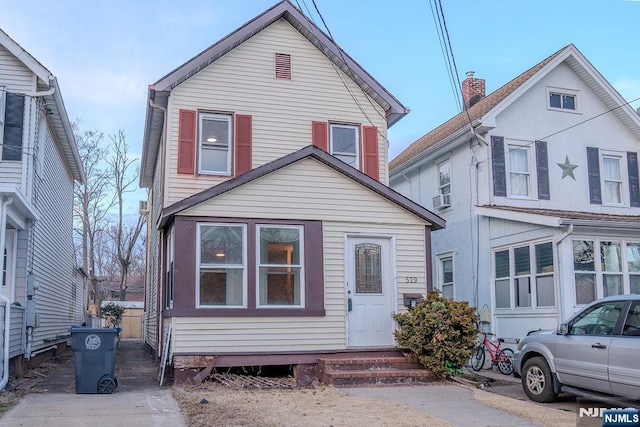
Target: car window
[
  {"x": 598, "y": 320},
  {"x": 632, "y": 323}
]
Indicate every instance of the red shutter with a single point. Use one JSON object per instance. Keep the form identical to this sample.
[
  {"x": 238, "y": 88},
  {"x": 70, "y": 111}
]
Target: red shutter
[
  {"x": 187, "y": 142},
  {"x": 243, "y": 144},
  {"x": 370, "y": 153},
  {"x": 319, "y": 136}
]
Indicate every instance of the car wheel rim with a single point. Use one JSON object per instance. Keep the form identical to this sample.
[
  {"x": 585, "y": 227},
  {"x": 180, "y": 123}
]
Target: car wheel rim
[{"x": 535, "y": 380}]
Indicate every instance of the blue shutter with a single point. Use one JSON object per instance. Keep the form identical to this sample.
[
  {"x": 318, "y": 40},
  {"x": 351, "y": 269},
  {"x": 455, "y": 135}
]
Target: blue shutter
[
  {"x": 13, "y": 125},
  {"x": 634, "y": 183},
  {"x": 542, "y": 165},
  {"x": 498, "y": 166},
  {"x": 593, "y": 166}
]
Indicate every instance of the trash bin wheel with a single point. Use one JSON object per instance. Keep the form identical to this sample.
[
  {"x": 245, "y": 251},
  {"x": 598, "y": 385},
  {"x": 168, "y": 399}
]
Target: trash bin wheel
[{"x": 107, "y": 385}]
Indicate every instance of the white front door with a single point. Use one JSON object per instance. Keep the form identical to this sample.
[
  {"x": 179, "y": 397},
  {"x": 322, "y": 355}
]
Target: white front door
[{"x": 370, "y": 290}]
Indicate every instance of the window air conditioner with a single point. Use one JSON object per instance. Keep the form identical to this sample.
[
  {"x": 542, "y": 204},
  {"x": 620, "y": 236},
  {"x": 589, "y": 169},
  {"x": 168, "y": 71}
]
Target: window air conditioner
[
  {"x": 143, "y": 207},
  {"x": 442, "y": 201}
]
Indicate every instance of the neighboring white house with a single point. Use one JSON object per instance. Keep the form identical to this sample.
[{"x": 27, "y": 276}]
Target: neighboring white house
[
  {"x": 39, "y": 164},
  {"x": 538, "y": 183},
  {"x": 273, "y": 237}
]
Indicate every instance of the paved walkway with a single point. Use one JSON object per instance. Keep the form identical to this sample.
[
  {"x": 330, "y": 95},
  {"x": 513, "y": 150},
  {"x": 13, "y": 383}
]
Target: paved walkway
[
  {"x": 138, "y": 401},
  {"x": 452, "y": 403}
]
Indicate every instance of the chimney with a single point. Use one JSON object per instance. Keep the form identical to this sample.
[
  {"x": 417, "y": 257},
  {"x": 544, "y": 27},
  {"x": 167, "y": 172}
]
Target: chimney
[{"x": 472, "y": 90}]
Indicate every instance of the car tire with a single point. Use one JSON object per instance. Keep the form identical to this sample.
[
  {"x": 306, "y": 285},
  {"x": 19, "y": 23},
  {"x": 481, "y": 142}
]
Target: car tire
[{"x": 537, "y": 380}]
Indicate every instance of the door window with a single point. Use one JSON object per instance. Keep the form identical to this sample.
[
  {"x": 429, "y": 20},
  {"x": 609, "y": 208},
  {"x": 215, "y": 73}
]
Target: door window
[{"x": 368, "y": 267}]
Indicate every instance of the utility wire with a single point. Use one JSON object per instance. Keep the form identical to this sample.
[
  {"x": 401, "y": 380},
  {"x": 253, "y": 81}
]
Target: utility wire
[
  {"x": 350, "y": 72},
  {"x": 528, "y": 144}
]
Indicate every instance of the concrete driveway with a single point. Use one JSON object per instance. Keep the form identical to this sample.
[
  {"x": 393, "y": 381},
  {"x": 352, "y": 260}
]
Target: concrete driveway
[{"x": 138, "y": 401}]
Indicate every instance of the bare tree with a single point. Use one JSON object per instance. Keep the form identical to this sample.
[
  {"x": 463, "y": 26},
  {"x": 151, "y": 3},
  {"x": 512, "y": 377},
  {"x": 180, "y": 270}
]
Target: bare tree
[
  {"x": 123, "y": 181},
  {"x": 93, "y": 199}
]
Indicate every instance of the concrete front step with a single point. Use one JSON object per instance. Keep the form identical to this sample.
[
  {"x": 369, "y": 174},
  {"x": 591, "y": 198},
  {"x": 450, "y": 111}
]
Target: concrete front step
[{"x": 368, "y": 371}]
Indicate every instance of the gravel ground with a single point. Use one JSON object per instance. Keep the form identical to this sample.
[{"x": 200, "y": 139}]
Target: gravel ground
[{"x": 215, "y": 404}]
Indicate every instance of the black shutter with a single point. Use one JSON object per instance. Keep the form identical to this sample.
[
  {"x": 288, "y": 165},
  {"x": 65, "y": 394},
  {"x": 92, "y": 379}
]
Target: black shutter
[
  {"x": 499, "y": 167},
  {"x": 542, "y": 165},
  {"x": 593, "y": 166},
  {"x": 634, "y": 183},
  {"x": 13, "y": 123}
]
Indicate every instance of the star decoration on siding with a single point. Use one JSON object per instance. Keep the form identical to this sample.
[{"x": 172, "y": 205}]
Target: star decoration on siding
[{"x": 567, "y": 168}]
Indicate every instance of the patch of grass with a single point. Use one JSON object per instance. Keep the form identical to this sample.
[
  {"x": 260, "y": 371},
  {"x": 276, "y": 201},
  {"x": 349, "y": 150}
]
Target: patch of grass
[{"x": 8, "y": 399}]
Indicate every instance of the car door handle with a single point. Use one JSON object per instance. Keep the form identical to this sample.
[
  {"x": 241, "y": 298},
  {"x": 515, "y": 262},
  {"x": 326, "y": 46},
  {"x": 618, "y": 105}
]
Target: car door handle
[{"x": 598, "y": 345}]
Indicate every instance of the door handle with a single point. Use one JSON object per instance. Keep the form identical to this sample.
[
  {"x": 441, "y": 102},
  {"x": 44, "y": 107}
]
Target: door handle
[{"x": 598, "y": 345}]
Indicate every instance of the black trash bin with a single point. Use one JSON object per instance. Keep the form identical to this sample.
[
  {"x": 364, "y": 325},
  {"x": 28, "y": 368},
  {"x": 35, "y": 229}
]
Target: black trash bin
[{"x": 94, "y": 354}]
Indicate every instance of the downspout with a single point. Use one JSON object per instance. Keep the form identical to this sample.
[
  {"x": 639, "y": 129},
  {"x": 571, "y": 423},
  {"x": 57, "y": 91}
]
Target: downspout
[
  {"x": 7, "y": 302},
  {"x": 561, "y": 314},
  {"x": 159, "y": 289},
  {"x": 43, "y": 93}
]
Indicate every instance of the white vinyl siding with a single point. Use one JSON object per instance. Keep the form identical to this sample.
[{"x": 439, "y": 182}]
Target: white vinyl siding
[
  {"x": 313, "y": 191},
  {"x": 344, "y": 207},
  {"x": 242, "y": 82},
  {"x": 54, "y": 263},
  {"x": 153, "y": 286},
  {"x": 11, "y": 174},
  {"x": 265, "y": 334},
  {"x": 16, "y": 77}
]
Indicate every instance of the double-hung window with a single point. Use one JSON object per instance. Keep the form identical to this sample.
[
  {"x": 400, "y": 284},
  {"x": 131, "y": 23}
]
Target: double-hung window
[
  {"x": 519, "y": 175},
  {"x": 633, "y": 266},
  {"x": 222, "y": 265},
  {"x": 214, "y": 144},
  {"x": 616, "y": 273},
  {"x": 445, "y": 275},
  {"x": 527, "y": 273},
  {"x": 612, "y": 179},
  {"x": 444, "y": 183},
  {"x": 344, "y": 142},
  {"x": 280, "y": 267}
]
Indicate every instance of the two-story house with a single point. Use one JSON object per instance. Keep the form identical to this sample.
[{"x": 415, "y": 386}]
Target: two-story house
[
  {"x": 42, "y": 294},
  {"x": 538, "y": 183},
  {"x": 273, "y": 236}
]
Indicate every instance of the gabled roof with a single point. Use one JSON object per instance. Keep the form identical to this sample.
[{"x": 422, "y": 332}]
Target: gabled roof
[
  {"x": 159, "y": 92},
  {"x": 495, "y": 102},
  {"x": 48, "y": 88},
  {"x": 308, "y": 152}
]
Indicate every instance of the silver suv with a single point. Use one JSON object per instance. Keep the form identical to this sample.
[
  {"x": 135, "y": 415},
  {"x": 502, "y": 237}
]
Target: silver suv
[{"x": 596, "y": 354}]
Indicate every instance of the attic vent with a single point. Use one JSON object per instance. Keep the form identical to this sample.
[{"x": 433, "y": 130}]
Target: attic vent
[{"x": 283, "y": 66}]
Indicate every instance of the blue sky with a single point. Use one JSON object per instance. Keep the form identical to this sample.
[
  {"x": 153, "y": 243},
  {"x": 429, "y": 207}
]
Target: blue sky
[{"x": 105, "y": 53}]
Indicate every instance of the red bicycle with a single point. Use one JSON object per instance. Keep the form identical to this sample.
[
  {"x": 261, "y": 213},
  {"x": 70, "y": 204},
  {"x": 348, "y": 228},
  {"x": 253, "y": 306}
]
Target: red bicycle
[{"x": 501, "y": 357}]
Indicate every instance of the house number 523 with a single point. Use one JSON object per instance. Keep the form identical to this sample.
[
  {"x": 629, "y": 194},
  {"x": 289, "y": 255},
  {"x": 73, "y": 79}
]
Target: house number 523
[{"x": 411, "y": 279}]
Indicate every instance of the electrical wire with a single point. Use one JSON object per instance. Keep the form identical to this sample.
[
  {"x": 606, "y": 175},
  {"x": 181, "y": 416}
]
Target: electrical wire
[
  {"x": 350, "y": 73},
  {"x": 528, "y": 144}
]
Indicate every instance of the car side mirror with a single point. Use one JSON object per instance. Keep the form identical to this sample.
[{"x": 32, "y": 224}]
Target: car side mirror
[{"x": 563, "y": 329}]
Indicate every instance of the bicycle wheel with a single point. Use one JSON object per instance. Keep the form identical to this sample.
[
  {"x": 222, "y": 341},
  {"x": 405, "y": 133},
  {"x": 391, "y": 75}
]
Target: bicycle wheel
[
  {"x": 505, "y": 361},
  {"x": 477, "y": 358}
]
